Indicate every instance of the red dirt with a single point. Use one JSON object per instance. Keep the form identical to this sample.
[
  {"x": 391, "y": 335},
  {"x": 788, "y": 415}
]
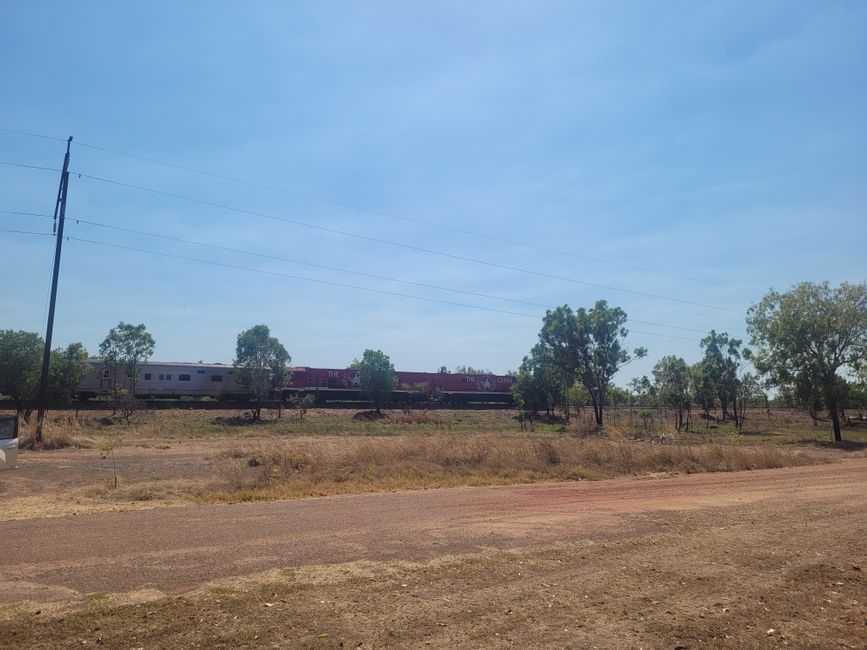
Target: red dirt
[{"x": 178, "y": 549}]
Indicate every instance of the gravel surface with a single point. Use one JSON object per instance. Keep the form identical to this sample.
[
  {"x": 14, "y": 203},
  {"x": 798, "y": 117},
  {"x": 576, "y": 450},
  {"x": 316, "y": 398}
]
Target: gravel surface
[{"x": 176, "y": 550}]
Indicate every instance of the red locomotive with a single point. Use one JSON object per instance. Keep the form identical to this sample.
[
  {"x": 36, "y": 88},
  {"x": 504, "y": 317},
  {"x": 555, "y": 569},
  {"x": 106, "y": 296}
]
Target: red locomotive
[{"x": 333, "y": 384}]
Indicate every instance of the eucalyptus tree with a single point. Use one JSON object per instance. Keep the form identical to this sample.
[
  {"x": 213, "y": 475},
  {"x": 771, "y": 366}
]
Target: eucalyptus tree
[
  {"x": 21, "y": 366},
  {"x": 813, "y": 333},
  {"x": 722, "y": 356},
  {"x": 124, "y": 349},
  {"x": 260, "y": 362},
  {"x": 601, "y": 351},
  {"x": 537, "y": 384},
  {"x": 587, "y": 345},
  {"x": 671, "y": 375},
  {"x": 643, "y": 390},
  {"x": 376, "y": 377},
  {"x": 703, "y": 390}
]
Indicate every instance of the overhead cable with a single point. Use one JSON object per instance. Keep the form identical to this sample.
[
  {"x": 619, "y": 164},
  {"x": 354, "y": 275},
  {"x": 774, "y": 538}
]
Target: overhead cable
[
  {"x": 384, "y": 213},
  {"x": 334, "y": 284},
  {"x": 344, "y": 233}
]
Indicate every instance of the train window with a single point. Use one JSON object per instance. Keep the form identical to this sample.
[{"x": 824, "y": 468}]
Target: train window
[
  {"x": 147, "y": 376},
  {"x": 162, "y": 377},
  {"x": 168, "y": 377},
  {"x": 216, "y": 377},
  {"x": 183, "y": 378},
  {"x": 201, "y": 372},
  {"x": 106, "y": 374}
]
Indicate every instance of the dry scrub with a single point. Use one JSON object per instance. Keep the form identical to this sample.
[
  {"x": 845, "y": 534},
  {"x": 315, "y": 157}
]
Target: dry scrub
[
  {"x": 286, "y": 469},
  {"x": 63, "y": 429}
]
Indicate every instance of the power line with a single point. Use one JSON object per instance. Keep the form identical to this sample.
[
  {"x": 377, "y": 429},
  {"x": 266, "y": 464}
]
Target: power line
[
  {"x": 392, "y": 215},
  {"x": 79, "y": 220},
  {"x": 13, "y": 164},
  {"x": 338, "y": 269},
  {"x": 328, "y": 282},
  {"x": 344, "y": 233},
  {"x": 238, "y": 267},
  {"x": 27, "y": 214},
  {"x": 26, "y": 232},
  {"x": 384, "y": 213},
  {"x": 48, "y": 287},
  {"x": 32, "y": 135},
  {"x": 335, "y": 284}
]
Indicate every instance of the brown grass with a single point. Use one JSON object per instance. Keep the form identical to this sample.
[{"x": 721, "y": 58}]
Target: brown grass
[
  {"x": 285, "y": 469},
  {"x": 54, "y": 439}
]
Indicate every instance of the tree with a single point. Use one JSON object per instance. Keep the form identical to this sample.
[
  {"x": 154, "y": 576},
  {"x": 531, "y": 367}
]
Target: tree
[
  {"x": 703, "y": 389},
  {"x": 20, "y": 367},
  {"x": 749, "y": 393},
  {"x": 672, "y": 378},
  {"x": 600, "y": 350},
  {"x": 721, "y": 359},
  {"x": 617, "y": 396},
  {"x": 643, "y": 390},
  {"x": 260, "y": 362},
  {"x": 125, "y": 348},
  {"x": 803, "y": 390},
  {"x": 558, "y": 348},
  {"x": 67, "y": 367},
  {"x": 535, "y": 386},
  {"x": 812, "y": 332},
  {"x": 376, "y": 377},
  {"x": 587, "y": 345}
]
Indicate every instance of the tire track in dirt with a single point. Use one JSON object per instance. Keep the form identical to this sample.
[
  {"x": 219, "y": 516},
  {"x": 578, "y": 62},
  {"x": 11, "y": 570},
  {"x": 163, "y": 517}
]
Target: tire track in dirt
[{"x": 178, "y": 549}]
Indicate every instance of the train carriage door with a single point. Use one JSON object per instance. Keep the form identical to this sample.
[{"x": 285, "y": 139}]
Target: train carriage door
[{"x": 104, "y": 378}]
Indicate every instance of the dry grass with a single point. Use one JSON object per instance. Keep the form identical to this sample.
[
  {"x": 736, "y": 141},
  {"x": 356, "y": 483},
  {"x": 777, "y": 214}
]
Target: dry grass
[
  {"x": 64, "y": 432},
  {"x": 329, "y": 452},
  {"x": 286, "y": 469},
  {"x": 776, "y": 426}
]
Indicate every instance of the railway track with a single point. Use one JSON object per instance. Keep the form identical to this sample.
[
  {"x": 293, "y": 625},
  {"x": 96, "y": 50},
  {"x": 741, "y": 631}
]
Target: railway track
[{"x": 214, "y": 405}]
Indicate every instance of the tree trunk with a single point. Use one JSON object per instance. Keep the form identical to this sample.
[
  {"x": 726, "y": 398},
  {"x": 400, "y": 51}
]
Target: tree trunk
[
  {"x": 833, "y": 408},
  {"x": 835, "y": 418}
]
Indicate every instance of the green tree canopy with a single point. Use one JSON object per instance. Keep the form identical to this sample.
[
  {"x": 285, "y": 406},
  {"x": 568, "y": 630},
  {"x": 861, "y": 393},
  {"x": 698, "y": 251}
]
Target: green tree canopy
[
  {"x": 537, "y": 385},
  {"x": 587, "y": 345},
  {"x": 376, "y": 377},
  {"x": 260, "y": 362},
  {"x": 21, "y": 367},
  {"x": 721, "y": 361},
  {"x": 643, "y": 391},
  {"x": 671, "y": 376},
  {"x": 66, "y": 369},
  {"x": 124, "y": 349},
  {"x": 702, "y": 388},
  {"x": 810, "y": 335}
]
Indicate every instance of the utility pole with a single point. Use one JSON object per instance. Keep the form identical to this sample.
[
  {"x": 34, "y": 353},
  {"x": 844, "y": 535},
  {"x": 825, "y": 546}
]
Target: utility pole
[{"x": 49, "y": 330}]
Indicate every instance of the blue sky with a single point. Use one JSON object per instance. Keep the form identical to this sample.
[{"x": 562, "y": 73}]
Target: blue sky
[{"x": 720, "y": 148}]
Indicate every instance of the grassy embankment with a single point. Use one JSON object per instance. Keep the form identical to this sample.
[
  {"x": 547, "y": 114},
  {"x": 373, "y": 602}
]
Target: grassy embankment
[{"x": 231, "y": 459}]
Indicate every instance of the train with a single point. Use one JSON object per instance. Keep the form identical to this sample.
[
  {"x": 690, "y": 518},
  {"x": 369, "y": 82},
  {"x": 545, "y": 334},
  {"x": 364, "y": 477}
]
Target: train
[{"x": 174, "y": 380}]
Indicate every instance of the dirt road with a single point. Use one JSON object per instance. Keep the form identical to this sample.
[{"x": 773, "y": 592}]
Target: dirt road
[{"x": 176, "y": 550}]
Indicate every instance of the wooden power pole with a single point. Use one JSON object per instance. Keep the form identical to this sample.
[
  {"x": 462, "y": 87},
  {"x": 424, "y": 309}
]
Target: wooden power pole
[{"x": 59, "y": 206}]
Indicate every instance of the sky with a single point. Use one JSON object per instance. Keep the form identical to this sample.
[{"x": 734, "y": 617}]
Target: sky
[{"x": 426, "y": 178}]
